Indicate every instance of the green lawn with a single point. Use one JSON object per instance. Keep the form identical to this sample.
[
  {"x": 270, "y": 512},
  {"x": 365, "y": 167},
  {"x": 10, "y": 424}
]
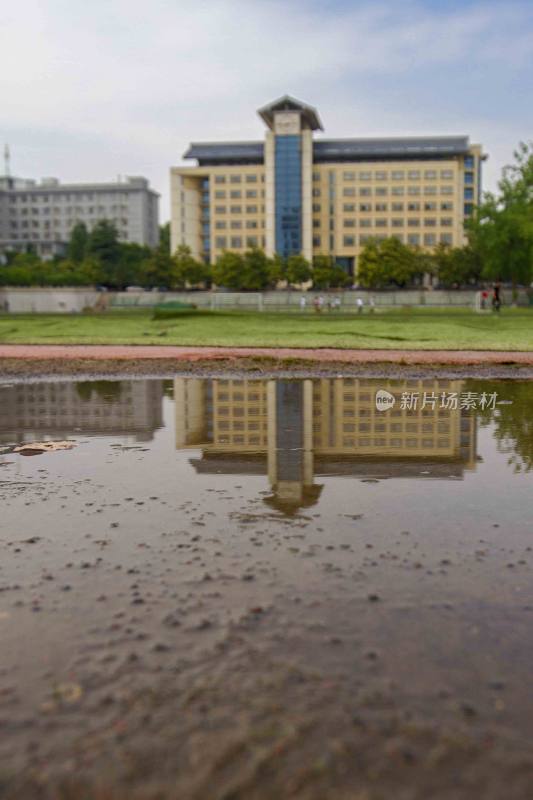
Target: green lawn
[{"x": 425, "y": 329}]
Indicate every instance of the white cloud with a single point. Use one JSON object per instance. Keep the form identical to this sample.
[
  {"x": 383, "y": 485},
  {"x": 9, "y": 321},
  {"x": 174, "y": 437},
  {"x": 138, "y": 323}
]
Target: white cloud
[{"x": 92, "y": 89}]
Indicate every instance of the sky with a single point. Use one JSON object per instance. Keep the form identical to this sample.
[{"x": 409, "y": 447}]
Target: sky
[{"x": 91, "y": 91}]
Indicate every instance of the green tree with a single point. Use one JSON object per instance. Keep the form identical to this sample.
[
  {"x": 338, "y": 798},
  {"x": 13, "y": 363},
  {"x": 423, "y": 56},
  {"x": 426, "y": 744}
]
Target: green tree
[
  {"x": 370, "y": 269},
  {"x": 190, "y": 271},
  {"x": 228, "y": 270},
  {"x": 159, "y": 270},
  {"x": 326, "y": 274},
  {"x": 298, "y": 270},
  {"x": 256, "y": 274},
  {"x": 456, "y": 266},
  {"x": 78, "y": 243},
  {"x": 103, "y": 245},
  {"x": 164, "y": 237},
  {"x": 277, "y": 270},
  {"x": 501, "y": 230}
]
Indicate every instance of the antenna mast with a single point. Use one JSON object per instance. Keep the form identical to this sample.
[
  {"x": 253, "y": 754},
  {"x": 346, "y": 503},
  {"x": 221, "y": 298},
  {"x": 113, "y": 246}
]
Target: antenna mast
[{"x": 6, "y": 160}]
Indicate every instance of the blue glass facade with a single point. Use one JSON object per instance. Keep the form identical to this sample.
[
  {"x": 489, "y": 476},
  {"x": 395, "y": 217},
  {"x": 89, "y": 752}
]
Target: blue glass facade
[{"x": 288, "y": 195}]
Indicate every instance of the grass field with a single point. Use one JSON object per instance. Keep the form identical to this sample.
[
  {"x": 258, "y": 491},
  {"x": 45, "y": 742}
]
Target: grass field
[{"x": 455, "y": 329}]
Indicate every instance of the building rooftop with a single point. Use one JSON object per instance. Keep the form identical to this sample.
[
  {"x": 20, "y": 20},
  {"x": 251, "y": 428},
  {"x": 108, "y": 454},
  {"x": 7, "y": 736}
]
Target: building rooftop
[
  {"x": 398, "y": 148},
  {"x": 309, "y": 114}
]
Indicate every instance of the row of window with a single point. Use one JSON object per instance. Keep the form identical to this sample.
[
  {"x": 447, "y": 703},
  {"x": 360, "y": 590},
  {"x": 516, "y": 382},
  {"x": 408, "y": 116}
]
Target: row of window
[
  {"x": 395, "y": 175},
  {"x": 251, "y": 209},
  {"x": 350, "y": 208},
  {"x": 415, "y": 239},
  {"x": 238, "y": 178},
  {"x": 236, "y": 194},
  {"x": 35, "y": 211},
  {"x": 68, "y": 198},
  {"x": 236, "y": 224},
  {"x": 414, "y": 191},
  {"x": 395, "y": 222},
  {"x": 238, "y": 242}
]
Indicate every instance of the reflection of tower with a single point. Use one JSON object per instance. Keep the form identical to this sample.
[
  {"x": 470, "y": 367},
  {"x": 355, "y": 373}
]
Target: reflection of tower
[
  {"x": 191, "y": 413},
  {"x": 290, "y": 443}
]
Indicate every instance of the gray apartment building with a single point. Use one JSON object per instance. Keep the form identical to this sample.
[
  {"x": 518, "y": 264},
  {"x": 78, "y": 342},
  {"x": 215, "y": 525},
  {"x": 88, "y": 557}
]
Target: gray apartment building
[{"x": 42, "y": 214}]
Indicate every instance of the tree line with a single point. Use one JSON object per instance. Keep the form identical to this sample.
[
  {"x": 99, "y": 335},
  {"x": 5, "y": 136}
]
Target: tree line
[{"x": 499, "y": 247}]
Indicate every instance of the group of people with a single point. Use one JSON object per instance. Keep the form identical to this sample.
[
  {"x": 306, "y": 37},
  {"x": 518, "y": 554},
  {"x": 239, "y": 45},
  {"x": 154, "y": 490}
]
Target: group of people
[
  {"x": 334, "y": 304},
  {"x": 496, "y": 299}
]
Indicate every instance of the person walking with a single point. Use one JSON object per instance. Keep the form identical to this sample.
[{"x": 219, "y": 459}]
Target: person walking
[
  {"x": 496, "y": 297},
  {"x": 360, "y": 304},
  {"x": 303, "y": 303}
]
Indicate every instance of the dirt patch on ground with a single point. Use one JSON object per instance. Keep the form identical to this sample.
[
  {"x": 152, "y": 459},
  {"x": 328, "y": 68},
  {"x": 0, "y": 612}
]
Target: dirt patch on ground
[{"x": 32, "y": 368}]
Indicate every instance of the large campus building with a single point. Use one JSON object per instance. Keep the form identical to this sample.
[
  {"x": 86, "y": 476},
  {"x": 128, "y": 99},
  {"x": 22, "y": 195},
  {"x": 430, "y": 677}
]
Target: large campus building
[
  {"x": 300, "y": 193},
  {"x": 40, "y": 215},
  {"x": 294, "y": 431}
]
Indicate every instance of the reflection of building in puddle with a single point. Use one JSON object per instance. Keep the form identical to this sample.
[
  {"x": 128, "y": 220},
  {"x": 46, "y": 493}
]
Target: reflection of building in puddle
[
  {"x": 62, "y": 409},
  {"x": 292, "y": 430}
]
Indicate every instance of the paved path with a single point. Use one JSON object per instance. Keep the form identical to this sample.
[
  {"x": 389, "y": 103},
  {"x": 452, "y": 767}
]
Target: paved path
[{"x": 194, "y": 354}]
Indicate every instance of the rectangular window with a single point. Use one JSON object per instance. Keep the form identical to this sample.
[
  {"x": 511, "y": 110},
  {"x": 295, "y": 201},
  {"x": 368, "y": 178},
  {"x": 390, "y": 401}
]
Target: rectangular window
[
  {"x": 220, "y": 225},
  {"x": 381, "y": 223},
  {"x": 234, "y": 178},
  {"x": 446, "y": 174},
  {"x": 365, "y": 207},
  {"x": 469, "y": 161},
  {"x": 348, "y": 191},
  {"x": 316, "y": 208},
  {"x": 468, "y": 209},
  {"x": 413, "y": 239},
  {"x": 381, "y": 176},
  {"x": 365, "y": 176},
  {"x": 446, "y": 222},
  {"x": 365, "y": 223},
  {"x": 316, "y": 176},
  {"x": 348, "y": 241},
  {"x": 365, "y": 191},
  {"x": 397, "y": 207},
  {"x": 397, "y": 190},
  {"x": 251, "y": 179},
  {"x": 235, "y": 194},
  {"x": 430, "y": 239},
  {"x": 251, "y": 241},
  {"x": 446, "y": 189},
  {"x": 251, "y": 224},
  {"x": 430, "y": 174},
  {"x": 469, "y": 177},
  {"x": 316, "y": 192},
  {"x": 430, "y": 206},
  {"x": 236, "y": 241},
  {"x": 413, "y": 190},
  {"x": 220, "y": 209},
  {"x": 430, "y": 222},
  {"x": 235, "y": 224},
  {"x": 348, "y": 207},
  {"x": 414, "y": 222},
  {"x": 381, "y": 191},
  {"x": 398, "y": 175},
  {"x": 220, "y": 241},
  {"x": 381, "y": 206},
  {"x": 446, "y": 206},
  {"x": 316, "y": 241},
  {"x": 397, "y": 223},
  {"x": 428, "y": 190},
  {"x": 251, "y": 209},
  {"x": 469, "y": 193},
  {"x": 316, "y": 223},
  {"x": 348, "y": 176},
  {"x": 220, "y": 179},
  {"x": 236, "y": 209},
  {"x": 413, "y": 174},
  {"x": 446, "y": 238},
  {"x": 349, "y": 223},
  {"x": 413, "y": 206},
  {"x": 251, "y": 193}
]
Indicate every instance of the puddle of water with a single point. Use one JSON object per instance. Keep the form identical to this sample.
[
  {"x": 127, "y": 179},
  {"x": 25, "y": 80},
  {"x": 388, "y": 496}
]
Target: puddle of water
[{"x": 390, "y": 548}]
